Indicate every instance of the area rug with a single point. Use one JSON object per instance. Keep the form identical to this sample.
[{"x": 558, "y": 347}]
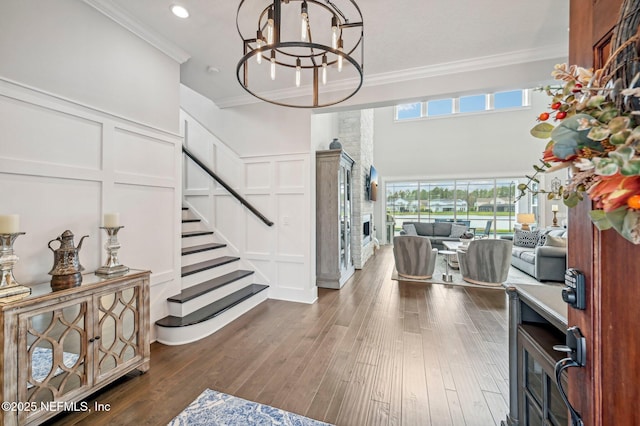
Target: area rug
[
  {"x": 213, "y": 408},
  {"x": 515, "y": 276}
]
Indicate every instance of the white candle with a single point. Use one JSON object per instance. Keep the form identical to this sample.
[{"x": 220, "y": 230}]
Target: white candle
[
  {"x": 111, "y": 220},
  {"x": 9, "y": 224},
  {"x": 554, "y": 207}
]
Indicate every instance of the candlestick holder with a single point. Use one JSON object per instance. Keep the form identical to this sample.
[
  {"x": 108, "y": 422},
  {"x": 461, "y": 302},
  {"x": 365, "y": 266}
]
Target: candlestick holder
[
  {"x": 555, "y": 218},
  {"x": 8, "y": 284},
  {"x": 112, "y": 266}
]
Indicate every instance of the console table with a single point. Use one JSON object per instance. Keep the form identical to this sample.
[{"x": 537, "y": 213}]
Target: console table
[
  {"x": 537, "y": 321},
  {"x": 61, "y": 346}
]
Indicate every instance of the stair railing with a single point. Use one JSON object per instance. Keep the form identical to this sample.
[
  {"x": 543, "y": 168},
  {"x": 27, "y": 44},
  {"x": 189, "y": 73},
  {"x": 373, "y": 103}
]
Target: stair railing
[{"x": 217, "y": 178}]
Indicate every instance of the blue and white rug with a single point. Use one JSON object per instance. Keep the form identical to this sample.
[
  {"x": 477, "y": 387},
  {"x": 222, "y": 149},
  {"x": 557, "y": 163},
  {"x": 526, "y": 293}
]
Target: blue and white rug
[{"x": 213, "y": 408}]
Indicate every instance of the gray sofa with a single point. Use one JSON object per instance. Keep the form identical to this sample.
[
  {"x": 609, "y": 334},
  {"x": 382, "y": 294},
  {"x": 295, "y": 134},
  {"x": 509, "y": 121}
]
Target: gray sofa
[
  {"x": 437, "y": 232},
  {"x": 543, "y": 262}
]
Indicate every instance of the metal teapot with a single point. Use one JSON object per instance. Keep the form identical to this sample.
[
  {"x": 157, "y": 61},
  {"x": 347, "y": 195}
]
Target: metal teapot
[{"x": 67, "y": 270}]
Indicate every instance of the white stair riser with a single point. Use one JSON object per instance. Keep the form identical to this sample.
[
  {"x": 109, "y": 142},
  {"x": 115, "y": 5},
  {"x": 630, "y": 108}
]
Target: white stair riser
[
  {"x": 183, "y": 335},
  {"x": 190, "y": 259},
  {"x": 186, "y": 214},
  {"x": 196, "y": 241},
  {"x": 182, "y": 309},
  {"x": 192, "y": 226},
  {"x": 203, "y": 276}
]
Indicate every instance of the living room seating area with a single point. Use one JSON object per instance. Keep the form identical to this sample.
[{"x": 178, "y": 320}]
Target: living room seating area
[{"x": 541, "y": 253}]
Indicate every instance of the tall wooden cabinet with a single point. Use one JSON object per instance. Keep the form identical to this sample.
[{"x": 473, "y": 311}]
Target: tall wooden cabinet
[
  {"x": 334, "y": 262},
  {"x": 60, "y": 346}
]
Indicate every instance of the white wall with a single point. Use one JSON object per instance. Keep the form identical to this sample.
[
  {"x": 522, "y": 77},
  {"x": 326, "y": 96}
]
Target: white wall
[
  {"x": 69, "y": 49},
  {"x": 84, "y": 107}
]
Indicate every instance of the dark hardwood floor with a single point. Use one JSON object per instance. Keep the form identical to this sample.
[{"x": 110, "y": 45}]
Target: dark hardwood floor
[{"x": 377, "y": 352}]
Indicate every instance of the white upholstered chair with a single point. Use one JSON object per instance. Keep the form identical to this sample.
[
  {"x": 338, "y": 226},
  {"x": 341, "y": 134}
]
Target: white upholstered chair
[
  {"x": 414, "y": 256},
  {"x": 486, "y": 261}
]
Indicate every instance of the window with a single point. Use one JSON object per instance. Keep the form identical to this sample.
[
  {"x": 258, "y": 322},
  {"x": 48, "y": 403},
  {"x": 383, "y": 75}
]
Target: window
[
  {"x": 475, "y": 200},
  {"x": 464, "y": 105},
  {"x": 439, "y": 107},
  {"x": 408, "y": 111},
  {"x": 510, "y": 99},
  {"x": 473, "y": 103}
]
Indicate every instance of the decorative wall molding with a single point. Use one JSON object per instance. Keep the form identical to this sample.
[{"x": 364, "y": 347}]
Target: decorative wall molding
[
  {"x": 57, "y": 160},
  {"x": 418, "y": 73},
  {"x": 123, "y": 18}
]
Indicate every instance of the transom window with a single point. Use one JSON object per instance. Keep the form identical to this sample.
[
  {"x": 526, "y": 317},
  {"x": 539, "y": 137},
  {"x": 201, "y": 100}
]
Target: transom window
[{"x": 464, "y": 105}]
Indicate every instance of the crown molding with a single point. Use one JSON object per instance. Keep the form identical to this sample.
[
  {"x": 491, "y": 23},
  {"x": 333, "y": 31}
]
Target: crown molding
[
  {"x": 558, "y": 51},
  {"x": 482, "y": 63},
  {"x": 123, "y": 18}
]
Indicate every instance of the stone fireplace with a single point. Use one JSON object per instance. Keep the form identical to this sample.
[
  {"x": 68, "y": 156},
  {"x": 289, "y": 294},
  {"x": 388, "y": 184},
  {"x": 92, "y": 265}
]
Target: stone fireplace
[{"x": 356, "y": 136}]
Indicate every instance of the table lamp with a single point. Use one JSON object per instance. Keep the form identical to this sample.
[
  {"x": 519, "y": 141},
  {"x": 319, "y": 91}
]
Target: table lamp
[{"x": 525, "y": 219}]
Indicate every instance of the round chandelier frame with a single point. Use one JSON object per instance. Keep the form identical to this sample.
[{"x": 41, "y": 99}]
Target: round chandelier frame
[{"x": 304, "y": 55}]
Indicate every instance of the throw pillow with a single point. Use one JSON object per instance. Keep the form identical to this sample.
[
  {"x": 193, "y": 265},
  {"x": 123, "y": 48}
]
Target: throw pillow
[
  {"x": 542, "y": 237},
  {"x": 555, "y": 241},
  {"x": 525, "y": 238},
  {"x": 410, "y": 229},
  {"x": 457, "y": 230}
]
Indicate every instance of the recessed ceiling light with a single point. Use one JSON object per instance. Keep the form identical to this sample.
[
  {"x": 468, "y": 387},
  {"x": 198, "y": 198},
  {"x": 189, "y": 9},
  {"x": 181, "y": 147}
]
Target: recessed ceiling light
[
  {"x": 212, "y": 69},
  {"x": 179, "y": 11}
]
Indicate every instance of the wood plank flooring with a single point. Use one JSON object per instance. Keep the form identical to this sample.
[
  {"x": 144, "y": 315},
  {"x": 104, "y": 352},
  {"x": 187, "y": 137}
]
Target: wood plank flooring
[{"x": 377, "y": 352}]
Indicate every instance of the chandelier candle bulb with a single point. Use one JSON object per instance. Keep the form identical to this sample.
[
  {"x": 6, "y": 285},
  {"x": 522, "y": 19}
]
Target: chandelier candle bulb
[
  {"x": 9, "y": 224},
  {"x": 259, "y": 44},
  {"x": 324, "y": 69},
  {"x": 304, "y": 17},
  {"x": 111, "y": 220},
  {"x": 298, "y": 69},
  {"x": 340, "y": 48},
  {"x": 273, "y": 65},
  {"x": 270, "y": 27},
  {"x": 334, "y": 32}
]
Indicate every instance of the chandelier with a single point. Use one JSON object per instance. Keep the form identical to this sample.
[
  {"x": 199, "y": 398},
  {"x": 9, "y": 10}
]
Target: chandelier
[{"x": 301, "y": 53}]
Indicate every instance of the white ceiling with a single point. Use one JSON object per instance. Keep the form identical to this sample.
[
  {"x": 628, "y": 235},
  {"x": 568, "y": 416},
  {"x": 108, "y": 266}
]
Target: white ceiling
[{"x": 404, "y": 39}]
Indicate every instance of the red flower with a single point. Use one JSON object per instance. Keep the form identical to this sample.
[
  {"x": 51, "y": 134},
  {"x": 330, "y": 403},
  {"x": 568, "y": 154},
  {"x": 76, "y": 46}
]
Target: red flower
[{"x": 613, "y": 192}]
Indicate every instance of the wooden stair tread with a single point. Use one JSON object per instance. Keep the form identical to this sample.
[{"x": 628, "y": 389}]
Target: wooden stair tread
[
  {"x": 185, "y": 208},
  {"x": 196, "y": 233},
  {"x": 190, "y": 220},
  {"x": 201, "y": 248},
  {"x": 214, "y": 309},
  {"x": 207, "y": 264},
  {"x": 199, "y": 289}
]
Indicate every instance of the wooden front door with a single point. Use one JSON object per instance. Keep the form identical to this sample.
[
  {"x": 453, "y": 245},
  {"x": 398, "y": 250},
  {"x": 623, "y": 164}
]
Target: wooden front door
[{"x": 607, "y": 391}]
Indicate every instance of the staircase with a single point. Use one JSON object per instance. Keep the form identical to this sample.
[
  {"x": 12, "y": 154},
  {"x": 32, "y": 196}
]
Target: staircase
[{"x": 215, "y": 291}]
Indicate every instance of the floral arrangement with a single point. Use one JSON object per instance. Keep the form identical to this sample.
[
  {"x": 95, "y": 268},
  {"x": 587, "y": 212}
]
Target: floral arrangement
[{"x": 596, "y": 134}]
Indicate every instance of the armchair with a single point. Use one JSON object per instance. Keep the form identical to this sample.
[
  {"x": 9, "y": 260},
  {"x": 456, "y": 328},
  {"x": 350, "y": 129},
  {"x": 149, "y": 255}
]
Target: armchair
[
  {"x": 486, "y": 261},
  {"x": 414, "y": 256}
]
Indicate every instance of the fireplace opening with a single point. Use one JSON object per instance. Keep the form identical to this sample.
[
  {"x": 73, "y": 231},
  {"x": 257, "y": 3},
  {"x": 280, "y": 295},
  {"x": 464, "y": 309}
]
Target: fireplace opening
[{"x": 366, "y": 229}]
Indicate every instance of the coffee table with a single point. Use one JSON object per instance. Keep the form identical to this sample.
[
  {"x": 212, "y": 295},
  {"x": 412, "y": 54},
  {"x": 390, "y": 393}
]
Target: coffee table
[
  {"x": 447, "y": 277},
  {"x": 453, "y": 247}
]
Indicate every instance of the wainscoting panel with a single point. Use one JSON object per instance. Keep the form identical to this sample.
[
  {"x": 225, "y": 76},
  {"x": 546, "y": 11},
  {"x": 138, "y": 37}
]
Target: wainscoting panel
[
  {"x": 291, "y": 222},
  {"x": 199, "y": 143},
  {"x": 291, "y": 174},
  {"x": 147, "y": 237},
  {"x": 64, "y": 164},
  {"x": 130, "y": 148},
  {"x": 43, "y": 135},
  {"x": 47, "y": 207},
  {"x": 258, "y": 239},
  {"x": 258, "y": 175}
]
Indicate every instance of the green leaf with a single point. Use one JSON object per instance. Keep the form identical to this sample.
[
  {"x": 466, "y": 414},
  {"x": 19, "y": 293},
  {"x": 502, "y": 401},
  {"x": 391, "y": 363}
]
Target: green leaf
[
  {"x": 605, "y": 166},
  {"x": 598, "y": 133},
  {"x": 542, "y": 130},
  {"x": 600, "y": 220},
  {"x": 608, "y": 115},
  {"x": 522, "y": 187},
  {"x": 625, "y": 222},
  {"x": 572, "y": 200},
  {"x": 595, "y": 101},
  {"x": 567, "y": 137},
  {"x": 631, "y": 168},
  {"x": 619, "y": 124},
  {"x": 620, "y": 137}
]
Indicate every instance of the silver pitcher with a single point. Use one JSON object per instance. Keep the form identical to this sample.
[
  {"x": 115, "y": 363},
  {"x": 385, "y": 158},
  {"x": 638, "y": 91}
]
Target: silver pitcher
[{"x": 67, "y": 270}]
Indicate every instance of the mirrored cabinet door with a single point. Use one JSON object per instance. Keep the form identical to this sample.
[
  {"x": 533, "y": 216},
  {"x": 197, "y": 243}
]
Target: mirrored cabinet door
[
  {"x": 53, "y": 363},
  {"x": 117, "y": 341}
]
